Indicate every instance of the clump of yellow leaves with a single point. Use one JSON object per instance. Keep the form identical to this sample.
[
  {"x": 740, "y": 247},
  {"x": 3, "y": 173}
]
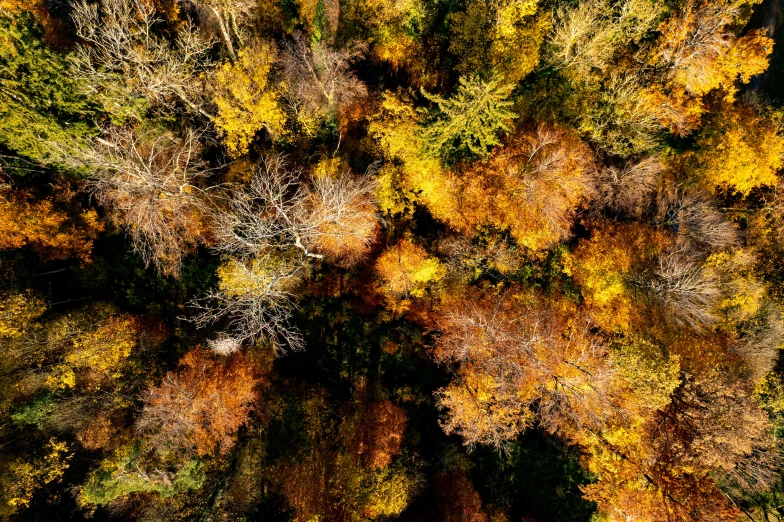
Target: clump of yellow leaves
[{"x": 246, "y": 101}]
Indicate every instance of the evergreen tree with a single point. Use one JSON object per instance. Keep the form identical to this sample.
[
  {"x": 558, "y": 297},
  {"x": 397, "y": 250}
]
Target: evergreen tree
[
  {"x": 41, "y": 101},
  {"x": 470, "y": 119}
]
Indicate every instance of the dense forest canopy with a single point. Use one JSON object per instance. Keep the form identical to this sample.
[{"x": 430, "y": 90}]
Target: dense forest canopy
[{"x": 416, "y": 260}]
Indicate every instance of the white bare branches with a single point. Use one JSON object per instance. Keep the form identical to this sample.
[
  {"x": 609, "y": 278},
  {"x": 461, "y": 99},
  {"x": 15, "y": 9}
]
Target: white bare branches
[
  {"x": 224, "y": 344},
  {"x": 122, "y": 55},
  {"x": 628, "y": 190},
  {"x": 268, "y": 231},
  {"x": 331, "y": 216},
  {"x": 255, "y": 301},
  {"x": 687, "y": 291},
  {"x": 148, "y": 183}
]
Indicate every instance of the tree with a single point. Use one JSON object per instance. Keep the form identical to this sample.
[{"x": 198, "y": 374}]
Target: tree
[
  {"x": 246, "y": 101},
  {"x": 532, "y": 187},
  {"x": 605, "y": 265},
  {"x": 701, "y": 226},
  {"x": 406, "y": 270},
  {"x": 23, "y": 478},
  {"x": 95, "y": 344},
  {"x": 332, "y": 216},
  {"x": 320, "y": 82},
  {"x": 519, "y": 361},
  {"x": 42, "y": 100},
  {"x": 148, "y": 180},
  {"x": 129, "y": 470},
  {"x": 687, "y": 291},
  {"x": 702, "y": 52},
  {"x": 52, "y": 226},
  {"x": 199, "y": 409},
  {"x": 18, "y": 312},
  {"x": 123, "y": 58},
  {"x": 502, "y": 35},
  {"x": 256, "y": 298},
  {"x": 588, "y": 37},
  {"x": 629, "y": 189},
  {"x": 396, "y": 127},
  {"x": 471, "y": 118},
  {"x": 381, "y": 433},
  {"x": 458, "y": 501},
  {"x": 670, "y": 470},
  {"x": 228, "y": 15},
  {"x": 738, "y": 150}
]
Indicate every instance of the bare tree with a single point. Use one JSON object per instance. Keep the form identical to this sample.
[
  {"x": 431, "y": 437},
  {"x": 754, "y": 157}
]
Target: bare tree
[
  {"x": 148, "y": 181},
  {"x": 685, "y": 289},
  {"x": 255, "y": 301},
  {"x": 228, "y": 16},
  {"x": 628, "y": 189},
  {"x": 122, "y": 55},
  {"x": 319, "y": 78},
  {"x": 760, "y": 346},
  {"x": 701, "y": 226},
  {"x": 331, "y": 216}
]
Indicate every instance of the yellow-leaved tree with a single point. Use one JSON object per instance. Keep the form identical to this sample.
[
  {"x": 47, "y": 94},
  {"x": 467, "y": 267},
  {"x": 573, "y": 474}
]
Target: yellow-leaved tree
[
  {"x": 739, "y": 150},
  {"x": 246, "y": 100},
  {"x": 406, "y": 270},
  {"x": 502, "y": 34},
  {"x": 603, "y": 266}
]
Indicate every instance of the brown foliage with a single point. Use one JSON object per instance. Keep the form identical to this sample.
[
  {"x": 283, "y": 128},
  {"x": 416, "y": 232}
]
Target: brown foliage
[
  {"x": 458, "y": 501},
  {"x": 319, "y": 80},
  {"x": 381, "y": 433},
  {"x": 199, "y": 408}
]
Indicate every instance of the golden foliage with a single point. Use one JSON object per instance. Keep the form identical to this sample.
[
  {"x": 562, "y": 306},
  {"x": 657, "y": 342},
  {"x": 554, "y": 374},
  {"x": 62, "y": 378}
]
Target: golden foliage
[
  {"x": 17, "y": 314},
  {"x": 739, "y": 150},
  {"x": 419, "y": 177},
  {"x": 100, "y": 348},
  {"x": 24, "y": 478},
  {"x": 406, "y": 270},
  {"x": 522, "y": 359},
  {"x": 505, "y": 33},
  {"x": 246, "y": 101},
  {"x": 703, "y": 53},
  {"x": 51, "y": 232},
  {"x": 603, "y": 264}
]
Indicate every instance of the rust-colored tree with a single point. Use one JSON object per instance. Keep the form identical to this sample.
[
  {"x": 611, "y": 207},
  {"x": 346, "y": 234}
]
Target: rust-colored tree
[
  {"x": 199, "y": 408},
  {"x": 521, "y": 360},
  {"x": 533, "y": 187},
  {"x": 381, "y": 433}
]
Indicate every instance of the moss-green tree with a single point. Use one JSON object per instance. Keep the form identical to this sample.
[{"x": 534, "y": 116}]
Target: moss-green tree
[{"x": 471, "y": 119}]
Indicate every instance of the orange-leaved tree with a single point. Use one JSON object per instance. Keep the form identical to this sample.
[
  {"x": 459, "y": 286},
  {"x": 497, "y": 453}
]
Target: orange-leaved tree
[
  {"x": 519, "y": 359},
  {"x": 199, "y": 408}
]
